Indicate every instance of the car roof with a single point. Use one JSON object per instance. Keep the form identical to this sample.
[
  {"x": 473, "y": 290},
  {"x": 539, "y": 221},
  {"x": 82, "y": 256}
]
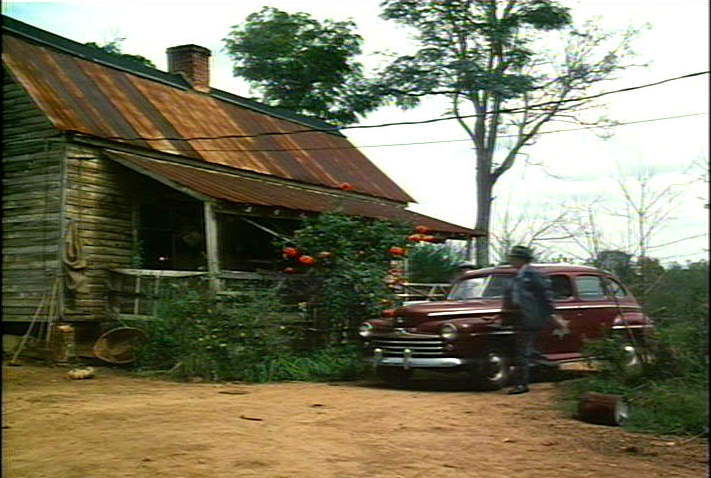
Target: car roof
[{"x": 545, "y": 268}]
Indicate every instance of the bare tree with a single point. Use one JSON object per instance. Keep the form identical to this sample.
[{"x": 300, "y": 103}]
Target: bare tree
[
  {"x": 647, "y": 209},
  {"x": 542, "y": 230},
  {"x": 587, "y": 236}
]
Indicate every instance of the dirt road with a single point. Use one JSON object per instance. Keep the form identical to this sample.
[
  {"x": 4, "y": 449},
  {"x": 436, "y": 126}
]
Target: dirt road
[{"x": 115, "y": 425}]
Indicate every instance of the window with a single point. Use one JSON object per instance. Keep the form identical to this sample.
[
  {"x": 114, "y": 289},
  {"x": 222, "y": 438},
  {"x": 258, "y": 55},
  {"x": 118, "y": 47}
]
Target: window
[
  {"x": 616, "y": 288},
  {"x": 590, "y": 287},
  {"x": 562, "y": 288},
  {"x": 486, "y": 287},
  {"x": 170, "y": 236}
]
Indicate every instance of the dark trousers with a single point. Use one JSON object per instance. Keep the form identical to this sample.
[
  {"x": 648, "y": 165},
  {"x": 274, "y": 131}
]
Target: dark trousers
[{"x": 524, "y": 352}]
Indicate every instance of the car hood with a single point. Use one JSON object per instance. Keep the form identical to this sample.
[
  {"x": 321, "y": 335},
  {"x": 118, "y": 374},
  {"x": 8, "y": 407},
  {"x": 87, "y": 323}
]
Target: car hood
[{"x": 415, "y": 314}]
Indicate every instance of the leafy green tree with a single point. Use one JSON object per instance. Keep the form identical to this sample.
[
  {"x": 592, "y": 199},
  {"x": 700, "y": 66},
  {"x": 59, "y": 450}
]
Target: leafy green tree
[
  {"x": 681, "y": 291},
  {"x": 114, "y": 48},
  {"x": 617, "y": 262},
  {"x": 302, "y": 65},
  {"x": 490, "y": 60}
]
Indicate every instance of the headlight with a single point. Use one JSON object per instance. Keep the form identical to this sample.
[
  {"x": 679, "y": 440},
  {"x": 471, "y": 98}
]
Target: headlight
[
  {"x": 448, "y": 332},
  {"x": 365, "y": 329}
]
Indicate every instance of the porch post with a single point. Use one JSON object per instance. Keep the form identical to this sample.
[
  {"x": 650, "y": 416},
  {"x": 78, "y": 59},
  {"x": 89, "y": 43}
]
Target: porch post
[{"x": 211, "y": 244}]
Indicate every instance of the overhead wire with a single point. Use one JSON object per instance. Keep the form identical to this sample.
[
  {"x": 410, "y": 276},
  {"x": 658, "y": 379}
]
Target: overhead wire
[
  {"x": 419, "y": 143},
  {"x": 404, "y": 123}
]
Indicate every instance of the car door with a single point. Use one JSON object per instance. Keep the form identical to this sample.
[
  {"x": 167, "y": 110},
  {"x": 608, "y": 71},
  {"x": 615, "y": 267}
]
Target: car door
[
  {"x": 596, "y": 311},
  {"x": 551, "y": 340}
]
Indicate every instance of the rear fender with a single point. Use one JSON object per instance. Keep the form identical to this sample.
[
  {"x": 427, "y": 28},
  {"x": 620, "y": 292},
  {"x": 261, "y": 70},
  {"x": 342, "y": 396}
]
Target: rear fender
[{"x": 635, "y": 324}]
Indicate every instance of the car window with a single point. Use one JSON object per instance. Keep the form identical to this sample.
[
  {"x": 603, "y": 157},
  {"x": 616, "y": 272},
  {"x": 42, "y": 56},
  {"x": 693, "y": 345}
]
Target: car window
[
  {"x": 482, "y": 287},
  {"x": 616, "y": 288},
  {"x": 590, "y": 287},
  {"x": 562, "y": 288}
]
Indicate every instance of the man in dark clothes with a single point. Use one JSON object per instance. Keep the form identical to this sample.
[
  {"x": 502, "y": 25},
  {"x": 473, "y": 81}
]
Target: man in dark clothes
[{"x": 530, "y": 299}]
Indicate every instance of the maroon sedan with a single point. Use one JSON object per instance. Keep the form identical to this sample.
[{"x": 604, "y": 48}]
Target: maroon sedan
[{"x": 466, "y": 332}]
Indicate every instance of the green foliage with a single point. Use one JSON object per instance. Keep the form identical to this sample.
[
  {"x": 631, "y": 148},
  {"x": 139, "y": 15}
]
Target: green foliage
[
  {"x": 114, "y": 48},
  {"x": 679, "y": 291},
  {"x": 617, "y": 262},
  {"x": 352, "y": 280},
  {"x": 468, "y": 47},
  {"x": 302, "y": 65},
  {"x": 252, "y": 338},
  {"x": 434, "y": 263},
  {"x": 195, "y": 336},
  {"x": 331, "y": 363},
  {"x": 668, "y": 393}
]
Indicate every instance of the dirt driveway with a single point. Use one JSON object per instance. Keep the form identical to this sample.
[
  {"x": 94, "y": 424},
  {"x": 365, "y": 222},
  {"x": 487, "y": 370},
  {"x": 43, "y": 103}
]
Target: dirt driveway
[{"x": 115, "y": 425}]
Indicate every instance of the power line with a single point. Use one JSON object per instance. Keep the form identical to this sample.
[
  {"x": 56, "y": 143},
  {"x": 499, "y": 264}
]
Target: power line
[
  {"x": 417, "y": 143},
  {"x": 679, "y": 256},
  {"x": 678, "y": 241},
  {"x": 403, "y": 123}
]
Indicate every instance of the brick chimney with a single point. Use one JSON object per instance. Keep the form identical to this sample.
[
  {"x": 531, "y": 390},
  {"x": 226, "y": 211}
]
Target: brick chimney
[{"x": 193, "y": 62}]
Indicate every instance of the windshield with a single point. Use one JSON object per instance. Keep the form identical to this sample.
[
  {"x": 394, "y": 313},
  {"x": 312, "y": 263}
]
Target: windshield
[{"x": 483, "y": 287}]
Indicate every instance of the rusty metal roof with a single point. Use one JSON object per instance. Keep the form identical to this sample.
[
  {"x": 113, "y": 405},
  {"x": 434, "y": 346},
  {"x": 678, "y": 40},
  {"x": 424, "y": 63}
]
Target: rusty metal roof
[
  {"x": 237, "y": 188},
  {"x": 83, "y": 90}
]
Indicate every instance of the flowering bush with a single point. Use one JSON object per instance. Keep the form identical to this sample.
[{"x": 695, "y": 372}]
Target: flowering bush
[{"x": 355, "y": 256}]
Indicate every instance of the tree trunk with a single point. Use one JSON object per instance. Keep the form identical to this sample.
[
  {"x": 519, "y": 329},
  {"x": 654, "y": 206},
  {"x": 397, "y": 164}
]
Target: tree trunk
[{"x": 483, "y": 216}]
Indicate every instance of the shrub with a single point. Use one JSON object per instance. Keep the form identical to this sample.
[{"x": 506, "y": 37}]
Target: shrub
[
  {"x": 434, "y": 263},
  {"x": 351, "y": 262},
  {"x": 195, "y": 336},
  {"x": 669, "y": 391},
  {"x": 253, "y": 337}
]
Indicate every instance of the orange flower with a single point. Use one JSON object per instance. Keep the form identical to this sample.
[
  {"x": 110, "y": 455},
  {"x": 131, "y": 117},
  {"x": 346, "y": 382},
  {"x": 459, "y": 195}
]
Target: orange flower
[
  {"x": 397, "y": 251},
  {"x": 307, "y": 260},
  {"x": 290, "y": 252}
]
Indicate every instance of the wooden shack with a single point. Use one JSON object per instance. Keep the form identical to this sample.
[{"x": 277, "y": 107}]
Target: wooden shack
[{"x": 115, "y": 169}]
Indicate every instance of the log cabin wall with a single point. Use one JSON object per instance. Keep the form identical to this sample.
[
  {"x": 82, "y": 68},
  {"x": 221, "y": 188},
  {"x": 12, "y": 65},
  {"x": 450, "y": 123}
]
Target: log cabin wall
[
  {"x": 32, "y": 169},
  {"x": 99, "y": 200}
]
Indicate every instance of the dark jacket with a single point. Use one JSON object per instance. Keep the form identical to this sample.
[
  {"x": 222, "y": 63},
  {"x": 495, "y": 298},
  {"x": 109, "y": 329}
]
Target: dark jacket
[{"x": 530, "y": 297}]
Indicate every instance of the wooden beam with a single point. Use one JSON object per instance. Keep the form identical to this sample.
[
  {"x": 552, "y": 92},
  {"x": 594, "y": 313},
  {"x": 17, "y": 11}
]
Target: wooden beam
[
  {"x": 470, "y": 250},
  {"x": 158, "y": 177},
  {"x": 212, "y": 246}
]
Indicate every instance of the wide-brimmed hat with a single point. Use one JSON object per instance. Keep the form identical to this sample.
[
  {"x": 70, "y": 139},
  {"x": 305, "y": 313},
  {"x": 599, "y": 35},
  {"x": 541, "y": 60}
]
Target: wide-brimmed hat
[{"x": 522, "y": 252}]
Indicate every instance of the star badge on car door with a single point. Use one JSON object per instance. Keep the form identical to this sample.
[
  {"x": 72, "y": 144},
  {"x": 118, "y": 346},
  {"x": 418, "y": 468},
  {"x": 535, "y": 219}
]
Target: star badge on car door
[{"x": 562, "y": 329}]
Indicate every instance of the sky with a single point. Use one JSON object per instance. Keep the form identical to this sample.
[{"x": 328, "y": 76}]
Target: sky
[{"x": 561, "y": 169}]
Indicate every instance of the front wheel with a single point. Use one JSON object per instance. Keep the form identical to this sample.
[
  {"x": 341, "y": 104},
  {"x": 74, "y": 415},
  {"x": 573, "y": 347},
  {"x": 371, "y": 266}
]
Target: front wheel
[
  {"x": 494, "y": 370},
  {"x": 396, "y": 376}
]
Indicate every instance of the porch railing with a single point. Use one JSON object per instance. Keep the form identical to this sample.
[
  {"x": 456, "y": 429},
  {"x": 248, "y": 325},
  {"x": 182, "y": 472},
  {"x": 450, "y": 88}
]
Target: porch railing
[{"x": 416, "y": 291}]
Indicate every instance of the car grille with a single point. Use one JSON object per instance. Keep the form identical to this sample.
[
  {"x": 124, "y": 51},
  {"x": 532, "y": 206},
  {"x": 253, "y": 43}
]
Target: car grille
[{"x": 424, "y": 347}]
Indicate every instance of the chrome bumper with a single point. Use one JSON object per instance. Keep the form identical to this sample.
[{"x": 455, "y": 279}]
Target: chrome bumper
[{"x": 407, "y": 361}]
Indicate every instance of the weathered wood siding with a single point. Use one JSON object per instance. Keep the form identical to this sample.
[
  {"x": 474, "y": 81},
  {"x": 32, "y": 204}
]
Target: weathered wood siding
[
  {"x": 32, "y": 164},
  {"x": 99, "y": 198}
]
